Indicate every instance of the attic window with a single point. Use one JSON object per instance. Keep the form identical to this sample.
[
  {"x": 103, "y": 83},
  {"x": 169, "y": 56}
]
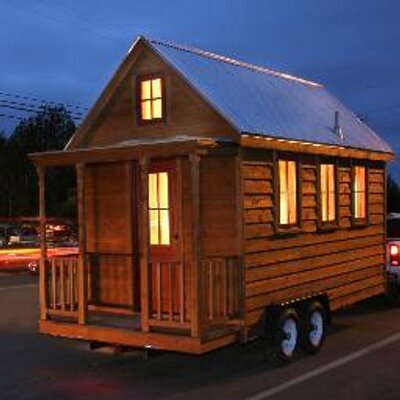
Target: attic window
[{"x": 151, "y": 99}]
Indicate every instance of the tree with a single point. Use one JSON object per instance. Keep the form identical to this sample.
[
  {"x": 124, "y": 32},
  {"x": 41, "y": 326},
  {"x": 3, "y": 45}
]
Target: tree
[
  {"x": 393, "y": 195},
  {"x": 50, "y": 129}
]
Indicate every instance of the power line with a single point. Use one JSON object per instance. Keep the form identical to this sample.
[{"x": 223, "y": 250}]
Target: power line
[
  {"x": 24, "y": 97},
  {"x": 11, "y": 116},
  {"x": 34, "y": 107}
]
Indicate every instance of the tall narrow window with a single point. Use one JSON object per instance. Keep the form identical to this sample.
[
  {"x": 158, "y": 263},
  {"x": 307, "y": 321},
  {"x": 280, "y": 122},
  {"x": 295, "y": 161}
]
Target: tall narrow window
[
  {"x": 287, "y": 192},
  {"x": 159, "y": 210},
  {"x": 328, "y": 192},
  {"x": 151, "y": 99},
  {"x": 359, "y": 193}
]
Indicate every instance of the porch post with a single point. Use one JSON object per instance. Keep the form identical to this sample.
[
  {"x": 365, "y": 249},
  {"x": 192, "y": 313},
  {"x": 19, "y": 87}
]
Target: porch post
[
  {"x": 41, "y": 172},
  {"x": 82, "y": 270},
  {"x": 144, "y": 243},
  {"x": 196, "y": 299}
]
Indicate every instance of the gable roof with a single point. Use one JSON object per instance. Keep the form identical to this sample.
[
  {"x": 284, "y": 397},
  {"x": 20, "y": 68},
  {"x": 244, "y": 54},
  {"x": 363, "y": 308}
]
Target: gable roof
[{"x": 260, "y": 101}]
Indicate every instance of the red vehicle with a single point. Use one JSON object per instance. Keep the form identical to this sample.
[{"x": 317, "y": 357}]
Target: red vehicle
[{"x": 393, "y": 253}]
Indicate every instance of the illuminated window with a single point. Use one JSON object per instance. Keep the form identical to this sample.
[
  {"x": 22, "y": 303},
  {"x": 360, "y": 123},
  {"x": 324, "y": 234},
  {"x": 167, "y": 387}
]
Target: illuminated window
[
  {"x": 287, "y": 192},
  {"x": 359, "y": 193},
  {"x": 328, "y": 192},
  {"x": 151, "y": 99},
  {"x": 159, "y": 212}
]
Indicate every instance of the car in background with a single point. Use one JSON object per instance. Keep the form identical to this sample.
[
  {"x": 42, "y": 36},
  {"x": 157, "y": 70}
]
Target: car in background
[
  {"x": 393, "y": 253},
  {"x": 23, "y": 236}
]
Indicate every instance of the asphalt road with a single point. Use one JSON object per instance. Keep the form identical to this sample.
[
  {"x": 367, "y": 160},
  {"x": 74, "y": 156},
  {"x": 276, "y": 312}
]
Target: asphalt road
[{"x": 360, "y": 360}]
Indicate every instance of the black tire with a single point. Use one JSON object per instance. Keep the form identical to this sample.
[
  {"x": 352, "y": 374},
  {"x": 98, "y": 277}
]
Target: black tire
[
  {"x": 313, "y": 327},
  {"x": 286, "y": 335}
]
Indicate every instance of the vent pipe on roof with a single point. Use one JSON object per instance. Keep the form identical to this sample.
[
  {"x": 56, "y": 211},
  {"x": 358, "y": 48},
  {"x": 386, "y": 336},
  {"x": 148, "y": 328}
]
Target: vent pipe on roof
[{"x": 337, "y": 128}]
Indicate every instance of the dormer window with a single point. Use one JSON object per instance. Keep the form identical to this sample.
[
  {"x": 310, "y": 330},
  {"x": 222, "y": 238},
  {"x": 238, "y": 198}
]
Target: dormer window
[{"x": 151, "y": 99}]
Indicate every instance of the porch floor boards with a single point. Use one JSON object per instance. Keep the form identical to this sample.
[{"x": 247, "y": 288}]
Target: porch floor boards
[{"x": 120, "y": 332}]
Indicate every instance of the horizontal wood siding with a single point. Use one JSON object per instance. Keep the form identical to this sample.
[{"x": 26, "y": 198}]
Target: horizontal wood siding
[
  {"x": 109, "y": 233},
  {"x": 218, "y": 207},
  {"x": 346, "y": 263}
]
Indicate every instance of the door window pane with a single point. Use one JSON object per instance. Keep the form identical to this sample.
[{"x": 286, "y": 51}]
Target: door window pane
[{"x": 159, "y": 218}]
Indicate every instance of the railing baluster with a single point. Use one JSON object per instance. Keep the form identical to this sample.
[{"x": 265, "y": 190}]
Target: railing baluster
[
  {"x": 62, "y": 285},
  {"x": 53, "y": 284},
  {"x": 211, "y": 288},
  {"x": 225, "y": 287},
  {"x": 181, "y": 293},
  {"x": 71, "y": 285},
  {"x": 159, "y": 294},
  {"x": 171, "y": 290}
]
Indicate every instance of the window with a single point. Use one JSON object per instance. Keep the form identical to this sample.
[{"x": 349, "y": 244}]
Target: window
[
  {"x": 287, "y": 192},
  {"x": 327, "y": 192},
  {"x": 359, "y": 193},
  {"x": 151, "y": 99},
  {"x": 159, "y": 210}
]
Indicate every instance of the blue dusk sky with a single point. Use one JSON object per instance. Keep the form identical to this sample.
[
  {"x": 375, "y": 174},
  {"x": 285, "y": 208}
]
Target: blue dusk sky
[{"x": 66, "y": 50}]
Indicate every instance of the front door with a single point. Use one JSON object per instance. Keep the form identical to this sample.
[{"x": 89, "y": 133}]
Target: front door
[{"x": 165, "y": 238}]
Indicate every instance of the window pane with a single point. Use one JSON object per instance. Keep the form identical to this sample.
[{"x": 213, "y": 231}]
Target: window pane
[
  {"x": 157, "y": 108},
  {"x": 283, "y": 195},
  {"x": 292, "y": 192},
  {"x": 359, "y": 192},
  {"x": 145, "y": 92},
  {"x": 156, "y": 86},
  {"x": 328, "y": 194},
  {"x": 153, "y": 198},
  {"x": 331, "y": 178},
  {"x": 163, "y": 189},
  {"x": 154, "y": 230},
  {"x": 146, "y": 109},
  {"x": 164, "y": 227},
  {"x": 331, "y": 207}
]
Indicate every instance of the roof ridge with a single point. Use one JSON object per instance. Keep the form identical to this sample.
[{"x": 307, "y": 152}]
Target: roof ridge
[{"x": 235, "y": 62}]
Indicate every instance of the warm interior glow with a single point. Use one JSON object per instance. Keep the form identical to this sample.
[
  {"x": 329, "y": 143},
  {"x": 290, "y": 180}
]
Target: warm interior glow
[
  {"x": 159, "y": 220},
  {"x": 328, "y": 193},
  {"x": 394, "y": 250},
  {"x": 359, "y": 194},
  {"x": 288, "y": 192},
  {"x": 151, "y": 103}
]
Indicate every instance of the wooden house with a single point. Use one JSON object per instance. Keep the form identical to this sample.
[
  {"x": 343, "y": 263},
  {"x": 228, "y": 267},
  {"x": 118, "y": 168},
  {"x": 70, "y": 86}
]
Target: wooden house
[{"x": 216, "y": 198}]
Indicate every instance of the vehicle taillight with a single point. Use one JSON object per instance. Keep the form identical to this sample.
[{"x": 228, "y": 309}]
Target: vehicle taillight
[{"x": 394, "y": 254}]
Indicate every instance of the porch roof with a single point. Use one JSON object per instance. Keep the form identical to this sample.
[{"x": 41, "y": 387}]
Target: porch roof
[{"x": 127, "y": 150}]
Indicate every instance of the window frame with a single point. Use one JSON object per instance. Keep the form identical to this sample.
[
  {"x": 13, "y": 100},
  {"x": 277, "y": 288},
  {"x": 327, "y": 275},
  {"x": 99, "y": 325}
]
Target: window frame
[
  {"x": 294, "y": 227},
  {"x": 164, "y": 250},
  {"x": 359, "y": 221},
  {"x": 149, "y": 77},
  {"x": 328, "y": 224}
]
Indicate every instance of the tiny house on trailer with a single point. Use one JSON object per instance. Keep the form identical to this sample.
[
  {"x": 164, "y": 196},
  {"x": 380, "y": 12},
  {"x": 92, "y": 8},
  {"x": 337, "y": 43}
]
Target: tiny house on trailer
[{"x": 218, "y": 200}]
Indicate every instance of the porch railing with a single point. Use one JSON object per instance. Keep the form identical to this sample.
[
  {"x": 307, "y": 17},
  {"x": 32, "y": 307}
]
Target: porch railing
[
  {"x": 61, "y": 276},
  {"x": 221, "y": 283},
  {"x": 168, "y": 300}
]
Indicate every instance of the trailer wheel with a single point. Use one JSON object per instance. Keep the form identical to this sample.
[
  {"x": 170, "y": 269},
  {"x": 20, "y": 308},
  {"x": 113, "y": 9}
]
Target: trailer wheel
[
  {"x": 313, "y": 330},
  {"x": 286, "y": 334}
]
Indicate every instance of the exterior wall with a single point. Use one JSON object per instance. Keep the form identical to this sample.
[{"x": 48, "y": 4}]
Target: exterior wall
[
  {"x": 187, "y": 113},
  {"x": 218, "y": 207},
  {"x": 346, "y": 262},
  {"x": 109, "y": 233}
]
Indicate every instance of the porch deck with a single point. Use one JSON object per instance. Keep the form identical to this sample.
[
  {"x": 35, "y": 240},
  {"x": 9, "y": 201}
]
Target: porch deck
[{"x": 122, "y": 334}]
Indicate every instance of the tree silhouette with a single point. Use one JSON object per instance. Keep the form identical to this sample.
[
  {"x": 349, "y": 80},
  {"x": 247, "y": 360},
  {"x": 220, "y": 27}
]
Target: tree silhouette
[
  {"x": 393, "y": 195},
  {"x": 50, "y": 129}
]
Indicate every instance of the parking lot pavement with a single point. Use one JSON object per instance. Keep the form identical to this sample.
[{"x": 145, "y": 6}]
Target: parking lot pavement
[{"x": 39, "y": 367}]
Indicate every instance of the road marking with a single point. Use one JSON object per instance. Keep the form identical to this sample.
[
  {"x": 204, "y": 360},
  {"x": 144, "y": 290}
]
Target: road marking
[
  {"x": 16, "y": 287},
  {"x": 328, "y": 367}
]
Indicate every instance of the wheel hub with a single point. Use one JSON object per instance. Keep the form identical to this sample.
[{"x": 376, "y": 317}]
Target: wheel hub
[{"x": 317, "y": 328}]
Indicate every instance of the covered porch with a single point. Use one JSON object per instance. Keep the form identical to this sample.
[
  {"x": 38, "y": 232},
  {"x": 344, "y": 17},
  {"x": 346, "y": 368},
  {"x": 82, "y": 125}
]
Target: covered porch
[{"x": 138, "y": 294}]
